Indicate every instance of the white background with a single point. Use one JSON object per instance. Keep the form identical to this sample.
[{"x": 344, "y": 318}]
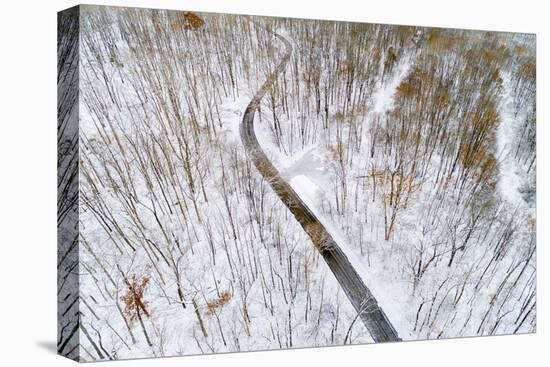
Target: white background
[{"x": 28, "y": 181}]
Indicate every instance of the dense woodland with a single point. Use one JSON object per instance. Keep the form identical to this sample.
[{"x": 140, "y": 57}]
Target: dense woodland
[{"x": 426, "y": 141}]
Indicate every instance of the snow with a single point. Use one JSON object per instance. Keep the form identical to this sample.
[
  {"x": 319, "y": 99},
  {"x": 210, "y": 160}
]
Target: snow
[
  {"x": 231, "y": 114},
  {"x": 383, "y": 97},
  {"x": 307, "y": 174},
  {"x": 306, "y": 189},
  {"x": 264, "y": 263},
  {"x": 510, "y": 179},
  {"x": 389, "y": 299}
]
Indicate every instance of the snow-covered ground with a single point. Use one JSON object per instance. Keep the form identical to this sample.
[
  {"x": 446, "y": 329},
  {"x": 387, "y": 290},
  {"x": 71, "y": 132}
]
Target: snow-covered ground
[
  {"x": 383, "y": 96},
  {"x": 512, "y": 177},
  {"x": 169, "y": 196}
]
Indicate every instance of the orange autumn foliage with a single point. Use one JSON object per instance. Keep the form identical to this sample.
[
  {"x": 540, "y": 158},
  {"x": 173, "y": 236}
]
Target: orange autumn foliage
[
  {"x": 133, "y": 298},
  {"x": 218, "y": 303},
  {"x": 188, "y": 21}
]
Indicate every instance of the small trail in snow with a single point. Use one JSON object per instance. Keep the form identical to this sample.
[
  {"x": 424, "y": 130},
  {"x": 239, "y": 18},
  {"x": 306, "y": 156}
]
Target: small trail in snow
[{"x": 510, "y": 180}]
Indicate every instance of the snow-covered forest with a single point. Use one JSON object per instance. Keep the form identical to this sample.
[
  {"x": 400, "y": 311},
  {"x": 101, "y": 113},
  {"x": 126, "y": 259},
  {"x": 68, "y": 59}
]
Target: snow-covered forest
[{"x": 415, "y": 148}]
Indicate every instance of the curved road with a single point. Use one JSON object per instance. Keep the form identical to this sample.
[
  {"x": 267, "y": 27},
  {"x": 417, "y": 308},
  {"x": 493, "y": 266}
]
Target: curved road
[{"x": 355, "y": 289}]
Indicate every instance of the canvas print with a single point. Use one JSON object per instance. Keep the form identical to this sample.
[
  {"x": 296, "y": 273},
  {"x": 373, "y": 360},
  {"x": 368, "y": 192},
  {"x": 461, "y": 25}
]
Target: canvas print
[{"x": 232, "y": 183}]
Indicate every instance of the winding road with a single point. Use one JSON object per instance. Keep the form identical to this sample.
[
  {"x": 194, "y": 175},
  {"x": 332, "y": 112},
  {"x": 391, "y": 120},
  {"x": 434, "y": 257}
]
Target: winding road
[{"x": 373, "y": 317}]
